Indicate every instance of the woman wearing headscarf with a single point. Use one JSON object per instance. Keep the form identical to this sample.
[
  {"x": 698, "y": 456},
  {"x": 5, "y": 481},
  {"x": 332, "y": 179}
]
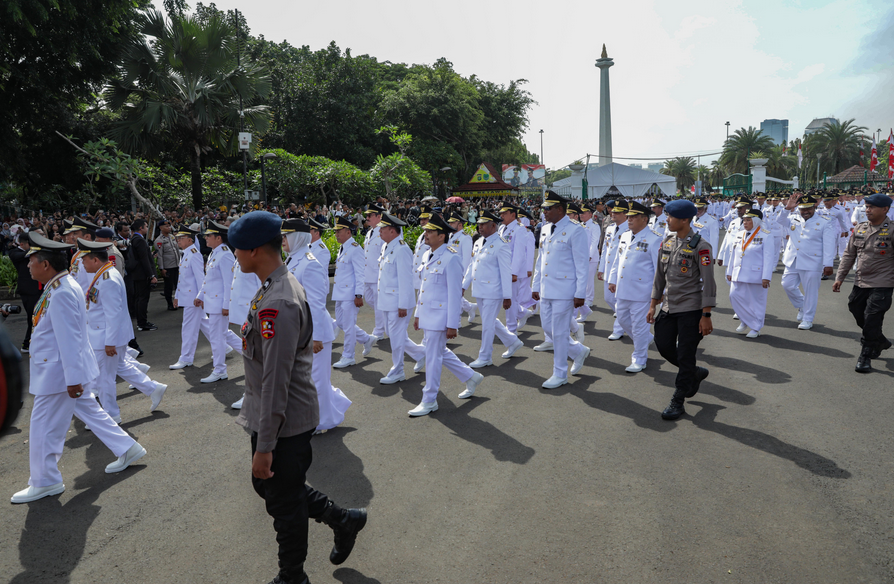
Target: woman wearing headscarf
[
  {"x": 749, "y": 272},
  {"x": 315, "y": 279}
]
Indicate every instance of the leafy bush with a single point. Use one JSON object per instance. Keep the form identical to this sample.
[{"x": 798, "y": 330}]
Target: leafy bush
[{"x": 8, "y": 274}]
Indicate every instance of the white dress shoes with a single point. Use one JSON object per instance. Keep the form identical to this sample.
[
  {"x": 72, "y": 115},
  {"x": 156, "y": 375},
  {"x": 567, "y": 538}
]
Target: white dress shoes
[
  {"x": 753, "y": 335},
  {"x": 368, "y": 345},
  {"x": 238, "y": 405},
  {"x": 35, "y": 493},
  {"x": 578, "y": 363},
  {"x": 615, "y": 336},
  {"x": 741, "y": 329},
  {"x": 143, "y": 367},
  {"x": 471, "y": 385},
  {"x": 424, "y": 409},
  {"x": 735, "y": 316},
  {"x": 157, "y": 395},
  {"x": 479, "y": 363},
  {"x": 800, "y": 314},
  {"x": 635, "y": 368},
  {"x": 579, "y": 334},
  {"x": 544, "y": 346},
  {"x": 512, "y": 349},
  {"x": 805, "y": 325},
  {"x": 214, "y": 377},
  {"x": 133, "y": 454},
  {"x": 180, "y": 365},
  {"x": 342, "y": 363},
  {"x": 472, "y": 312},
  {"x": 420, "y": 365},
  {"x": 391, "y": 380},
  {"x": 554, "y": 382}
]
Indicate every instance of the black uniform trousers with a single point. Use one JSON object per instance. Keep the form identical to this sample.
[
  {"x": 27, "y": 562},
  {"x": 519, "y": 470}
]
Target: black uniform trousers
[
  {"x": 29, "y": 301},
  {"x": 677, "y": 337},
  {"x": 141, "y": 291},
  {"x": 869, "y": 305},
  {"x": 172, "y": 275},
  {"x": 289, "y": 500}
]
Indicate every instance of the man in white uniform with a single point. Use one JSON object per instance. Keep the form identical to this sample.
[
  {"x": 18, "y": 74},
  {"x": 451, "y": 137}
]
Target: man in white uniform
[
  {"x": 214, "y": 297},
  {"x": 244, "y": 287},
  {"x": 658, "y": 221},
  {"x": 595, "y": 233},
  {"x": 512, "y": 231},
  {"x": 837, "y": 214},
  {"x": 609, "y": 250},
  {"x": 462, "y": 243},
  {"x": 372, "y": 247},
  {"x": 705, "y": 225},
  {"x": 190, "y": 280},
  {"x": 347, "y": 293}
]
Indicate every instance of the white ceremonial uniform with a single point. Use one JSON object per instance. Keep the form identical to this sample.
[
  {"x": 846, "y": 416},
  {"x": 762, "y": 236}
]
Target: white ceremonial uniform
[
  {"x": 842, "y": 222},
  {"x": 490, "y": 278},
  {"x": 348, "y": 285},
  {"x": 438, "y": 309},
  {"x": 811, "y": 246},
  {"x": 421, "y": 248},
  {"x": 709, "y": 228},
  {"x": 190, "y": 280},
  {"x": 372, "y": 247},
  {"x": 395, "y": 291},
  {"x": 609, "y": 250},
  {"x": 859, "y": 214},
  {"x": 77, "y": 271},
  {"x": 242, "y": 290},
  {"x": 658, "y": 224},
  {"x": 752, "y": 260},
  {"x": 559, "y": 278},
  {"x": 309, "y": 272},
  {"x": 771, "y": 214},
  {"x": 729, "y": 241},
  {"x": 595, "y": 233},
  {"x": 462, "y": 243},
  {"x": 530, "y": 257},
  {"x": 215, "y": 294},
  {"x": 61, "y": 356},
  {"x": 512, "y": 233},
  {"x": 633, "y": 273},
  {"x": 324, "y": 256}
]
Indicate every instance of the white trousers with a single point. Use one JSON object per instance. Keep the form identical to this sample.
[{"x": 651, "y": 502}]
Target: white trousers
[
  {"x": 591, "y": 283},
  {"x": 194, "y": 320},
  {"x": 370, "y": 295},
  {"x": 489, "y": 308},
  {"x": 400, "y": 342},
  {"x": 218, "y": 325},
  {"x": 50, "y": 420},
  {"x": 128, "y": 371},
  {"x": 513, "y": 314},
  {"x": 105, "y": 385},
  {"x": 465, "y": 304},
  {"x": 750, "y": 303},
  {"x": 233, "y": 339},
  {"x": 556, "y": 318},
  {"x": 810, "y": 281},
  {"x": 438, "y": 356},
  {"x": 524, "y": 295},
  {"x": 333, "y": 403},
  {"x": 346, "y": 319},
  {"x": 632, "y": 318},
  {"x": 612, "y": 303}
]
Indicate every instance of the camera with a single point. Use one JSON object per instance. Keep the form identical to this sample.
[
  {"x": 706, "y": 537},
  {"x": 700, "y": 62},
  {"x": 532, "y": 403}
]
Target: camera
[{"x": 11, "y": 308}]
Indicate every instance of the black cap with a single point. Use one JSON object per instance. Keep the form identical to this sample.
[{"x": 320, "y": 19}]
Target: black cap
[
  {"x": 80, "y": 225},
  {"x": 807, "y": 201},
  {"x": 754, "y": 213},
  {"x": 573, "y": 208},
  {"x": 89, "y": 246},
  {"x": 437, "y": 223},
  {"x": 295, "y": 226},
  {"x": 620, "y": 206},
  {"x": 183, "y": 230},
  {"x": 425, "y": 212},
  {"x": 553, "y": 198},
  {"x": 487, "y": 217},
  {"x": 701, "y": 202},
  {"x": 374, "y": 208},
  {"x": 392, "y": 221},
  {"x": 454, "y": 216},
  {"x": 508, "y": 207},
  {"x": 216, "y": 228},
  {"x": 314, "y": 224},
  {"x": 342, "y": 222},
  {"x": 41, "y": 243},
  {"x": 638, "y": 209}
]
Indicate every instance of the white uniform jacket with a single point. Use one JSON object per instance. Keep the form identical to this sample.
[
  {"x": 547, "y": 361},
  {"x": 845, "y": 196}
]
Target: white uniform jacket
[
  {"x": 108, "y": 322},
  {"x": 60, "y": 348},
  {"x": 315, "y": 279},
  {"x": 372, "y": 245},
  {"x": 191, "y": 277},
  {"x": 516, "y": 239},
  {"x": 421, "y": 248},
  {"x": 837, "y": 214},
  {"x": 462, "y": 243},
  {"x": 530, "y": 251},
  {"x": 242, "y": 291},
  {"x": 561, "y": 273},
  {"x": 658, "y": 224},
  {"x": 489, "y": 274},
  {"x": 595, "y": 233},
  {"x": 77, "y": 271},
  {"x": 812, "y": 244},
  {"x": 709, "y": 229},
  {"x": 610, "y": 246},
  {"x": 322, "y": 253},
  {"x": 349, "y": 266},
  {"x": 757, "y": 262},
  {"x": 633, "y": 270},
  {"x": 395, "y": 287},
  {"x": 215, "y": 291},
  {"x": 439, "y": 305},
  {"x": 732, "y": 232}
]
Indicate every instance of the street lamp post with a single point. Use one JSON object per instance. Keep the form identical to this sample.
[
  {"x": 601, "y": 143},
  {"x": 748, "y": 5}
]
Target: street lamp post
[
  {"x": 542, "y": 186},
  {"x": 727, "y": 131},
  {"x": 264, "y": 158},
  {"x": 818, "y": 157}
]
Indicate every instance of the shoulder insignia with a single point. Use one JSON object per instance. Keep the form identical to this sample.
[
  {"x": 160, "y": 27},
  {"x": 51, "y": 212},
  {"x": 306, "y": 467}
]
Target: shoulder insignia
[
  {"x": 826, "y": 217},
  {"x": 402, "y": 242},
  {"x": 451, "y": 249},
  {"x": 355, "y": 244},
  {"x": 106, "y": 276},
  {"x": 224, "y": 248},
  {"x": 194, "y": 250},
  {"x": 310, "y": 256},
  {"x": 575, "y": 221},
  {"x": 504, "y": 239},
  {"x": 764, "y": 229},
  {"x": 56, "y": 284}
]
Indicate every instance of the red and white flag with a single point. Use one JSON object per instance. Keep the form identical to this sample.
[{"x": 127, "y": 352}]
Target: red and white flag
[
  {"x": 800, "y": 156},
  {"x": 873, "y": 156},
  {"x": 891, "y": 155}
]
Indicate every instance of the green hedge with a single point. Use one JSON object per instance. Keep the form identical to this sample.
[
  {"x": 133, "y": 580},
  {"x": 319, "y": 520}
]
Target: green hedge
[{"x": 8, "y": 274}]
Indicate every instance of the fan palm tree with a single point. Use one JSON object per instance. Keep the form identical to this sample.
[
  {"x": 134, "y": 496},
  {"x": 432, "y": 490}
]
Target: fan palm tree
[
  {"x": 683, "y": 169},
  {"x": 742, "y": 145},
  {"x": 181, "y": 82},
  {"x": 839, "y": 142}
]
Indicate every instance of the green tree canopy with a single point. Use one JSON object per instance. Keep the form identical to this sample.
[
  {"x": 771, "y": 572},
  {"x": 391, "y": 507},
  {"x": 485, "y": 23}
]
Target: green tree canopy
[
  {"x": 741, "y": 146},
  {"x": 683, "y": 169}
]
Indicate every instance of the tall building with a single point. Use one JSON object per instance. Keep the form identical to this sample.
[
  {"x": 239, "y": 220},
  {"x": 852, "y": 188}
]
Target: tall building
[
  {"x": 636, "y": 165},
  {"x": 777, "y": 130},
  {"x": 814, "y": 126},
  {"x": 655, "y": 167}
]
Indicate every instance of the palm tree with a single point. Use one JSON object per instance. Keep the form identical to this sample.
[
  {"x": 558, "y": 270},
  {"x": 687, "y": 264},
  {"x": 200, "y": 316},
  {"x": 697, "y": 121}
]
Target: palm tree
[
  {"x": 184, "y": 86},
  {"x": 683, "y": 169},
  {"x": 840, "y": 144},
  {"x": 779, "y": 166},
  {"x": 742, "y": 145},
  {"x": 717, "y": 173}
]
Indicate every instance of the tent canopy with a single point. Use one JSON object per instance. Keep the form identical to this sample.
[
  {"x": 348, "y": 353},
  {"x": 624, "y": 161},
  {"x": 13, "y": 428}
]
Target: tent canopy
[{"x": 630, "y": 181}]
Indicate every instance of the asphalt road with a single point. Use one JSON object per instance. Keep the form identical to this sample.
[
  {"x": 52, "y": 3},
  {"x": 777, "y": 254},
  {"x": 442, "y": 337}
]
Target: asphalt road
[{"x": 780, "y": 472}]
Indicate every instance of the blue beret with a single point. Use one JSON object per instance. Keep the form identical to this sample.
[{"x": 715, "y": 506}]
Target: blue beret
[
  {"x": 681, "y": 209},
  {"x": 105, "y": 233},
  {"x": 254, "y": 230},
  {"x": 878, "y": 200}
]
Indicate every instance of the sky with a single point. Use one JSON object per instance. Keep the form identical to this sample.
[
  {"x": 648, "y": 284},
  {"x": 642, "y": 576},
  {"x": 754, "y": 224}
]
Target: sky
[{"x": 682, "y": 68}]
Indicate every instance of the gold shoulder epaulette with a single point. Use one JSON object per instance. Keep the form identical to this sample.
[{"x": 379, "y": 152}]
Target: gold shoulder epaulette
[
  {"x": 402, "y": 242},
  {"x": 504, "y": 239},
  {"x": 224, "y": 248},
  {"x": 56, "y": 284},
  {"x": 574, "y": 221},
  {"x": 106, "y": 275},
  {"x": 355, "y": 244},
  {"x": 451, "y": 249},
  {"x": 194, "y": 250},
  {"x": 310, "y": 256}
]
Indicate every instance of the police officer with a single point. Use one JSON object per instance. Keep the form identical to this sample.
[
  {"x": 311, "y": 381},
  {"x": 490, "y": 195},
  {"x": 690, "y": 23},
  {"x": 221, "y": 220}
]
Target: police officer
[
  {"x": 871, "y": 247},
  {"x": 490, "y": 278},
  {"x": 168, "y": 260},
  {"x": 63, "y": 370},
  {"x": 347, "y": 293},
  {"x": 372, "y": 247},
  {"x": 560, "y": 285},
  {"x": 395, "y": 298},
  {"x": 438, "y": 312},
  {"x": 190, "y": 280},
  {"x": 630, "y": 280},
  {"x": 214, "y": 297},
  {"x": 610, "y": 249},
  {"x": 282, "y": 416},
  {"x": 685, "y": 281},
  {"x": 809, "y": 254}
]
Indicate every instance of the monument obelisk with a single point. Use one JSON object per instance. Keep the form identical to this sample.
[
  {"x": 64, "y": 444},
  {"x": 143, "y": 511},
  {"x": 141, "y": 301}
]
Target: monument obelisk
[{"x": 605, "y": 109}]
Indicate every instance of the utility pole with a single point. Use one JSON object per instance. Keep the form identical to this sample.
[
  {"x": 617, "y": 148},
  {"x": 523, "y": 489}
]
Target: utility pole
[{"x": 241, "y": 111}]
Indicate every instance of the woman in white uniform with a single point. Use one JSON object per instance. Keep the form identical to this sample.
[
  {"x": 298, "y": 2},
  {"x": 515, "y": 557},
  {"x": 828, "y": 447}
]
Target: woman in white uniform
[{"x": 752, "y": 260}]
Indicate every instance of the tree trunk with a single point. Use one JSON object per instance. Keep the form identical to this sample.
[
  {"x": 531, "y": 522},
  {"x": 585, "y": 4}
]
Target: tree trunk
[{"x": 195, "y": 167}]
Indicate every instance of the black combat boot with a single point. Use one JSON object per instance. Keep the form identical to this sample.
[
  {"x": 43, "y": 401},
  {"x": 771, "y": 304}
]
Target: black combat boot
[
  {"x": 883, "y": 346},
  {"x": 675, "y": 409},
  {"x": 864, "y": 362},
  {"x": 284, "y": 578},
  {"x": 700, "y": 374},
  {"x": 346, "y": 523}
]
